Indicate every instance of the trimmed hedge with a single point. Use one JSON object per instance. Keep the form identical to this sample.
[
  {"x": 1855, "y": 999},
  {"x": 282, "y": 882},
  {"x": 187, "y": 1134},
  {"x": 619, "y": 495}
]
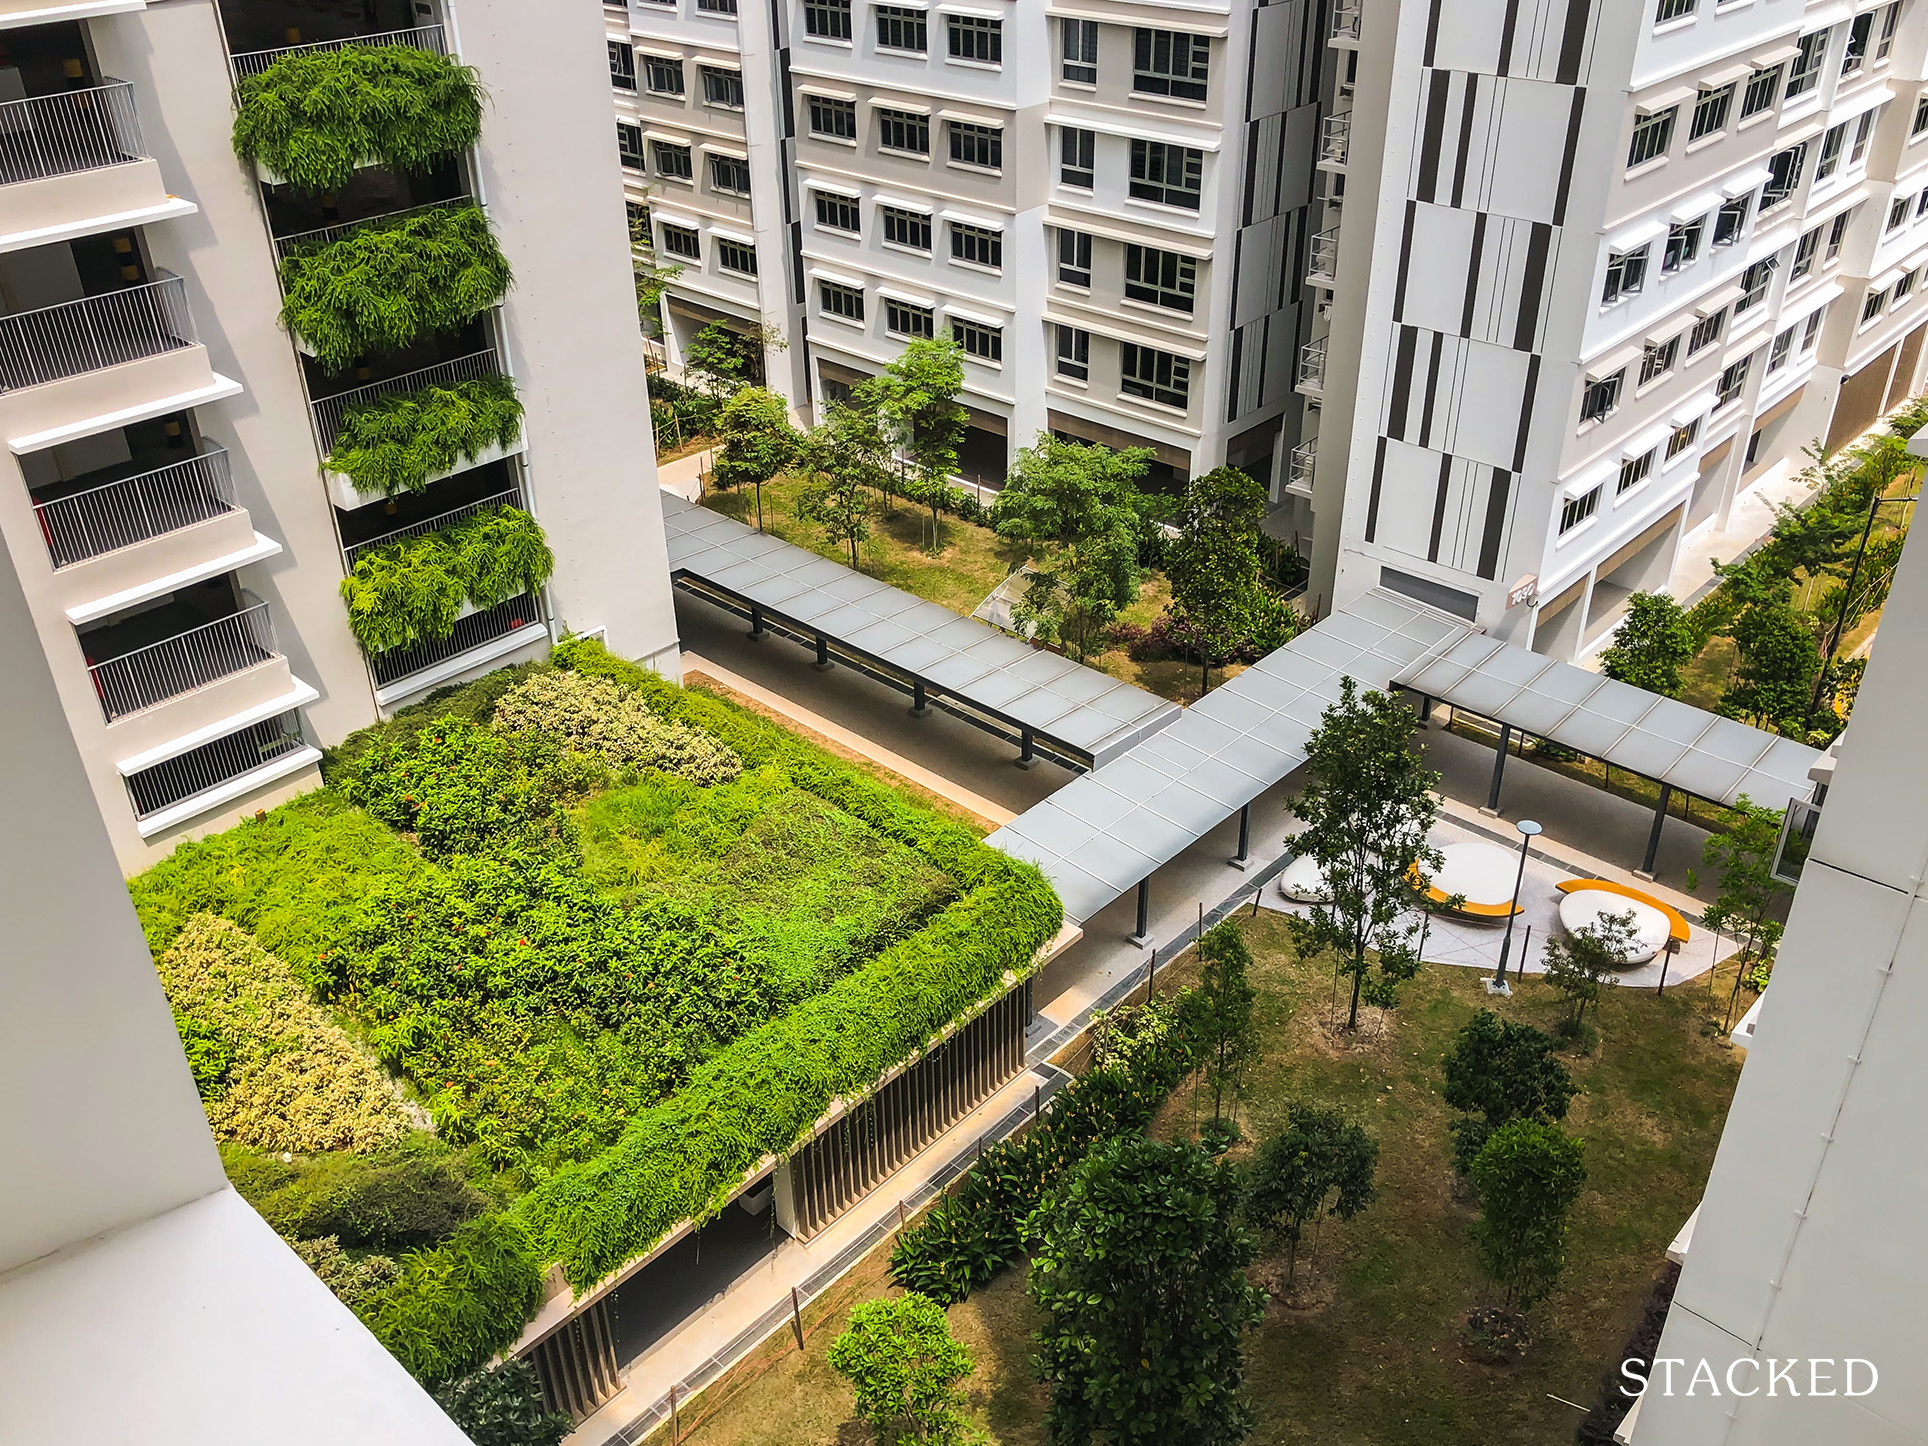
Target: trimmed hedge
[{"x": 395, "y": 444}]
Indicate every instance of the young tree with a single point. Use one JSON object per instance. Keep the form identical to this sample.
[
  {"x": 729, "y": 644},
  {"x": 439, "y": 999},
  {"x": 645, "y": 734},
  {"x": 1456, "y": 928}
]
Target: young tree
[
  {"x": 1077, "y": 508},
  {"x": 1368, "y": 812},
  {"x": 1223, "y": 1022},
  {"x": 1651, "y": 645},
  {"x": 1213, "y": 563},
  {"x": 502, "y": 1406},
  {"x": 1581, "y": 964},
  {"x": 1322, "y": 1165},
  {"x": 1141, "y": 1275},
  {"x": 1498, "y": 1071},
  {"x": 1529, "y": 1175},
  {"x": 905, "y": 1367},
  {"x": 652, "y": 279},
  {"x": 1778, "y": 663},
  {"x": 758, "y": 442},
  {"x": 841, "y": 458},
  {"x": 1742, "y": 857},
  {"x": 724, "y": 360},
  {"x": 915, "y": 400}
]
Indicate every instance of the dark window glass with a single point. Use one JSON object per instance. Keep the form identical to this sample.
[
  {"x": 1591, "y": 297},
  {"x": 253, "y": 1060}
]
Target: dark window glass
[
  {"x": 976, "y": 145},
  {"x": 827, "y": 19},
  {"x": 900, "y": 29},
  {"x": 973, "y": 37},
  {"x": 899, "y": 130},
  {"x": 837, "y": 118},
  {"x": 1162, "y": 278},
  {"x": 902, "y": 319},
  {"x": 1170, "y": 62},
  {"x": 1076, "y": 151},
  {"x": 1170, "y": 175},
  {"x": 979, "y": 245}
]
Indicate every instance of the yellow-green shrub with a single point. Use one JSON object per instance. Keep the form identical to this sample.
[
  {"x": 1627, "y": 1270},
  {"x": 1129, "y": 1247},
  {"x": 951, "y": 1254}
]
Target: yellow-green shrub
[{"x": 594, "y": 716}]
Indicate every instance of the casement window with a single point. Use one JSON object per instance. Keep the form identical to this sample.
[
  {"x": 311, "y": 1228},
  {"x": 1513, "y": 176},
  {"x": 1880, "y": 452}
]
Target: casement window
[
  {"x": 1876, "y": 303},
  {"x": 1921, "y": 205},
  {"x": 1667, "y": 10},
  {"x": 900, "y": 130},
  {"x": 901, "y": 29},
  {"x": 1811, "y": 336},
  {"x": 1602, "y": 397},
  {"x": 839, "y": 213},
  {"x": 1837, "y": 233},
  {"x": 1578, "y": 509},
  {"x": 986, "y": 343},
  {"x": 1805, "y": 72},
  {"x": 662, "y": 76},
  {"x": 1074, "y": 258},
  {"x": 1860, "y": 32},
  {"x": 836, "y": 299},
  {"x": 1805, "y": 250},
  {"x": 1730, "y": 222},
  {"x": 716, "y": 7},
  {"x": 1890, "y": 21},
  {"x": 1633, "y": 472},
  {"x": 919, "y": 323},
  {"x": 1905, "y": 287},
  {"x": 673, "y": 161},
  {"x": 730, "y": 174},
  {"x": 1763, "y": 89},
  {"x": 1784, "y": 176},
  {"x": 977, "y": 245},
  {"x": 1920, "y": 122},
  {"x": 976, "y": 145},
  {"x": 909, "y": 229},
  {"x": 1732, "y": 381},
  {"x": 1076, "y": 150},
  {"x": 1170, "y": 62},
  {"x": 1652, "y": 135},
  {"x": 737, "y": 256},
  {"x": 974, "y": 38},
  {"x": 722, "y": 88},
  {"x": 835, "y": 119},
  {"x": 1832, "y": 144},
  {"x": 1155, "y": 375},
  {"x": 1706, "y": 332},
  {"x": 1683, "y": 244},
  {"x": 1657, "y": 361},
  {"x": 827, "y": 19},
  {"x": 1074, "y": 353},
  {"x": 1863, "y": 133},
  {"x": 1078, "y": 42},
  {"x": 1754, "y": 283},
  {"x": 622, "y": 66},
  {"x": 1783, "y": 347},
  {"x": 1161, "y": 278},
  {"x": 1170, "y": 175},
  {"x": 1681, "y": 439},
  {"x": 1898, "y": 210},
  {"x": 1626, "y": 275},
  {"x": 1710, "y": 112},
  {"x": 681, "y": 241},
  {"x": 629, "y": 145}
]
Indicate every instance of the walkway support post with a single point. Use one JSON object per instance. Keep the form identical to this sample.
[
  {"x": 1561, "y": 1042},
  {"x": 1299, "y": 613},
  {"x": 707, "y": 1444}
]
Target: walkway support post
[
  {"x": 1142, "y": 937},
  {"x": 823, "y": 651},
  {"x": 1492, "y": 808},
  {"x": 755, "y": 634},
  {"x": 1425, "y": 710},
  {"x": 1244, "y": 858},
  {"x": 919, "y": 701},
  {"x": 1027, "y": 748},
  {"x": 1646, "y": 870}
]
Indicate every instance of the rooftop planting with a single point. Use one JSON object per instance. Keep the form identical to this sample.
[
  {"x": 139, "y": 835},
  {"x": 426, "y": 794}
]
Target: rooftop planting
[
  {"x": 615, "y": 941},
  {"x": 313, "y": 117},
  {"x": 397, "y": 444},
  {"x": 413, "y": 590},
  {"x": 381, "y": 286}
]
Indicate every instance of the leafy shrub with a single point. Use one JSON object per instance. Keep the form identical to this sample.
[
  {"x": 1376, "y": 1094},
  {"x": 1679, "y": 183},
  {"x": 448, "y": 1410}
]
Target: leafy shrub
[
  {"x": 209, "y": 1056},
  {"x": 395, "y": 444},
  {"x": 992, "y": 1218},
  {"x": 384, "y": 284},
  {"x": 503, "y": 1406},
  {"x": 412, "y": 590},
  {"x": 502, "y": 552},
  {"x": 594, "y": 716},
  {"x": 355, "y": 1280},
  {"x": 295, "y": 1081},
  {"x": 455, "y": 1305},
  {"x": 397, "y": 1198},
  {"x": 904, "y": 1365}
]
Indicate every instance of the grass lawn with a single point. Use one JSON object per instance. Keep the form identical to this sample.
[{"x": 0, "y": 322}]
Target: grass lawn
[{"x": 1375, "y": 1354}]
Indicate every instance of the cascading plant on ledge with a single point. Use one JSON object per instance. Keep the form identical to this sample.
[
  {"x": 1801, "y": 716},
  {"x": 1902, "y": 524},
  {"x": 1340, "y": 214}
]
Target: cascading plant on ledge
[
  {"x": 314, "y": 116},
  {"x": 384, "y": 285},
  {"x": 412, "y": 590},
  {"x": 395, "y": 444}
]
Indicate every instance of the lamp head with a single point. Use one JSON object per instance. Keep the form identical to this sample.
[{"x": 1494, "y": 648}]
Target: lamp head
[{"x": 1528, "y": 827}]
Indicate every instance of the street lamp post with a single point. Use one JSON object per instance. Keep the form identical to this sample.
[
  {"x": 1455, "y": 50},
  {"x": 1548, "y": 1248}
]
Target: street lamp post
[{"x": 1497, "y": 984}]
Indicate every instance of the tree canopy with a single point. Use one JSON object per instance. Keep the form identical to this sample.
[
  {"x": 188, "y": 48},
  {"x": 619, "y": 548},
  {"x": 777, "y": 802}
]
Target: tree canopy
[
  {"x": 1652, "y": 644},
  {"x": 1583, "y": 963},
  {"x": 1222, "y": 1022},
  {"x": 905, "y": 1367},
  {"x": 1321, "y": 1165},
  {"x": 914, "y": 399},
  {"x": 1213, "y": 563},
  {"x": 842, "y": 457},
  {"x": 758, "y": 442},
  {"x": 1499, "y": 1071},
  {"x": 1529, "y": 1176}
]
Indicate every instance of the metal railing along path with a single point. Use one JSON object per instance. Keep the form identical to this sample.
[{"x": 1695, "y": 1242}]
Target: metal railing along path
[
  {"x": 75, "y": 130},
  {"x": 119, "y": 514},
  {"x": 94, "y": 333},
  {"x": 510, "y": 498},
  {"x": 151, "y": 675},
  {"x": 424, "y": 37},
  {"x": 330, "y": 411}
]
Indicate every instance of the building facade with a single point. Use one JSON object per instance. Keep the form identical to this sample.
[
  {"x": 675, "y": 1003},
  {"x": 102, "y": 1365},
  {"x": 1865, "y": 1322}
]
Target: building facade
[
  {"x": 1101, "y": 202},
  {"x": 1601, "y": 268},
  {"x": 171, "y": 493}
]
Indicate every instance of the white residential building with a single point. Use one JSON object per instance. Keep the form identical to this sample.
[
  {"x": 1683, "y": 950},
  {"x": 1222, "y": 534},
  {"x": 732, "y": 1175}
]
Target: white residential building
[
  {"x": 161, "y": 485},
  {"x": 1100, "y": 201},
  {"x": 1602, "y": 267}
]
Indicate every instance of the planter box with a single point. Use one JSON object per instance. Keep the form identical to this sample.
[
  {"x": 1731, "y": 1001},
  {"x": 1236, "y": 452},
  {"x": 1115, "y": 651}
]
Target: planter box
[{"x": 341, "y": 490}]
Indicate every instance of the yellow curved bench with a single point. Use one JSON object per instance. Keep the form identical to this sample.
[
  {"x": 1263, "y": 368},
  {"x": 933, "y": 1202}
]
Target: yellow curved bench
[
  {"x": 1676, "y": 925},
  {"x": 1474, "y": 911}
]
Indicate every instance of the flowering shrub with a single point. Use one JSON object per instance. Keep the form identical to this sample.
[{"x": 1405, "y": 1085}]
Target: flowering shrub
[{"x": 593, "y": 716}]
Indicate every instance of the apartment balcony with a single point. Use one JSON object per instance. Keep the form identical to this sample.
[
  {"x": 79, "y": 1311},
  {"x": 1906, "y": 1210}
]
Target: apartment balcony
[
  {"x": 197, "y": 774},
  {"x": 1298, "y": 468},
  {"x": 1323, "y": 267},
  {"x": 1312, "y": 369},
  {"x": 73, "y": 164},
  {"x": 17, "y": 13},
  {"x": 1345, "y": 22},
  {"x": 330, "y": 412},
  {"x": 87, "y": 366},
  {"x": 1335, "y": 142},
  {"x": 479, "y": 637},
  {"x": 431, "y": 38}
]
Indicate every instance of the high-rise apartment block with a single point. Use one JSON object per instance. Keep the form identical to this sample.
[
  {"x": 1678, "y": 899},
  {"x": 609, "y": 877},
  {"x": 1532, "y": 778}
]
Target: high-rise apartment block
[
  {"x": 1598, "y": 269},
  {"x": 222, "y": 388}
]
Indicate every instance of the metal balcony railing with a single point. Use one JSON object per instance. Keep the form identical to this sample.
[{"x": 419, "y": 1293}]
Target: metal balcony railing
[
  {"x": 206, "y": 768},
  {"x": 151, "y": 675},
  {"x": 510, "y": 498},
  {"x": 1298, "y": 469},
  {"x": 473, "y": 631},
  {"x": 94, "y": 333},
  {"x": 425, "y": 37},
  {"x": 1324, "y": 266},
  {"x": 322, "y": 235},
  {"x": 75, "y": 130},
  {"x": 1345, "y": 19},
  {"x": 1312, "y": 360},
  {"x": 1335, "y": 141},
  {"x": 329, "y": 411},
  {"x": 119, "y": 514}
]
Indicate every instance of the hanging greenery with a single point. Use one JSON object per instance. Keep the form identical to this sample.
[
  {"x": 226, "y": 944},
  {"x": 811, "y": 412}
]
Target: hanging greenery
[
  {"x": 384, "y": 285},
  {"x": 396, "y": 444},
  {"x": 314, "y": 116},
  {"x": 412, "y": 590}
]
